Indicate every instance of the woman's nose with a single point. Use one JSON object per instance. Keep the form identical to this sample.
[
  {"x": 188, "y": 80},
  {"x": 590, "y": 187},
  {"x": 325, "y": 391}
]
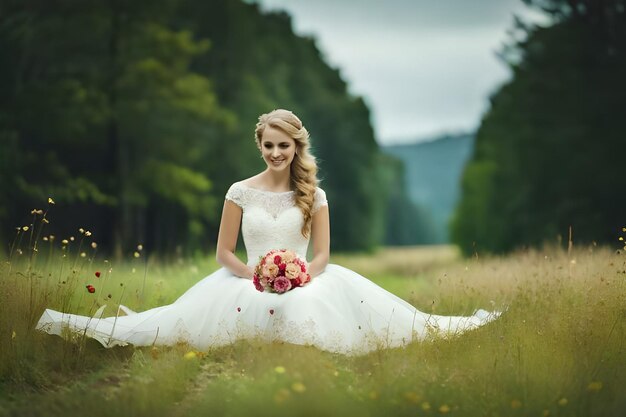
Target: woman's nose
[{"x": 275, "y": 152}]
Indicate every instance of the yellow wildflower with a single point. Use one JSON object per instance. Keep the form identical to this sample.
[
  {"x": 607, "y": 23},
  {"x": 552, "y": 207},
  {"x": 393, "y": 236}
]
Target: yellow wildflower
[
  {"x": 136, "y": 255},
  {"x": 190, "y": 355},
  {"x": 444, "y": 409},
  {"x": 140, "y": 247},
  {"x": 45, "y": 238},
  {"x": 94, "y": 245},
  {"x": 373, "y": 395},
  {"x": 411, "y": 397},
  {"x": 51, "y": 238},
  {"x": 25, "y": 228},
  {"x": 51, "y": 201},
  {"x": 83, "y": 254},
  {"x": 298, "y": 387},
  {"x": 65, "y": 242},
  {"x": 81, "y": 230},
  {"x": 13, "y": 335},
  {"x": 45, "y": 220},
  {"x": 621, "y": 238},
  {"x": 563, "y": 402},
  {"x": 87, "y": 233},
  {"x": 72, "y": 238},
  {"x": 281, "y": 396},
  {"x": 594, "y": 386},
  {"x": 425, "y": 406},
  {"x": 280, "y": 370}
]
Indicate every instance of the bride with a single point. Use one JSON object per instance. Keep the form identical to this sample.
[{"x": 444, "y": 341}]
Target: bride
[{"x": 281, "y": 207}]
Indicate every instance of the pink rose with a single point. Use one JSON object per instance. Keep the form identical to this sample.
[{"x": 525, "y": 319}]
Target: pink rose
[
  {"x": 281, "y": 285},
  {"x": 292, "y": 271},
  {"x": 304, "y": 277}
]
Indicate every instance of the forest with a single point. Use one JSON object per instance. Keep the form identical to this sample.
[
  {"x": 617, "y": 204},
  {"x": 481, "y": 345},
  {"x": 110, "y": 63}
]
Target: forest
[
  {"x": 549, "y": 153},
  {"x": 135, "y": 117}
]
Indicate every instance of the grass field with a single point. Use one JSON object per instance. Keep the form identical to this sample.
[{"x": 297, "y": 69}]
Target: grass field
[{"x": 557, "y": 351}]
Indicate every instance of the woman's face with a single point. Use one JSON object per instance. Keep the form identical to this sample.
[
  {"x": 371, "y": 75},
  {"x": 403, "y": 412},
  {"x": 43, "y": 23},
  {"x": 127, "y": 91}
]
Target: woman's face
[{"x": 278, "y": 149}]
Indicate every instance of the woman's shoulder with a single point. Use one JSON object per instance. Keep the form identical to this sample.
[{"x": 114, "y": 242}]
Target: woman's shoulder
[{"x": 319, "y": 199}]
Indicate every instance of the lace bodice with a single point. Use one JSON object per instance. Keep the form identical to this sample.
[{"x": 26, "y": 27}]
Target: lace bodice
[{"x": 271, "y": 220}]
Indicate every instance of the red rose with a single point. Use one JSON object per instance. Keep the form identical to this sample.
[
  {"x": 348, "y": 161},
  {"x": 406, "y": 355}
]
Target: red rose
[
  {"x": 277, "y": 259},
  {"x": 97, "y": 274},
  {"x": 282, "y": 267},
  {"x": 302, "y": 268},
  {"x": 90, "y": 288}
]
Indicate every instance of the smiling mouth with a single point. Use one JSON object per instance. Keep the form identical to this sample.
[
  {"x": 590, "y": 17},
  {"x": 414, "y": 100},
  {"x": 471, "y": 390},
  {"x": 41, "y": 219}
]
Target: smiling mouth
[{"x": 277, "y": 161}]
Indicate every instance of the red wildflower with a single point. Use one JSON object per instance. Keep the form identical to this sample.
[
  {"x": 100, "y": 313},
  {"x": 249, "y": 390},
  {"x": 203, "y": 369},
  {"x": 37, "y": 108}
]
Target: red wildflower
[
  {"x": 90, "y": 288},
  {"x": 97, "y": 274}
]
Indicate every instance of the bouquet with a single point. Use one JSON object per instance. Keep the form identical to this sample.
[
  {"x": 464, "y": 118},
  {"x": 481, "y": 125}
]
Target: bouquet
[{"x": 280, "y": 271}]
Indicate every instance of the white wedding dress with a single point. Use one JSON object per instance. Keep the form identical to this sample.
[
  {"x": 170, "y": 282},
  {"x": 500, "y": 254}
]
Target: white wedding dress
[{"x": 338, "y": 311}]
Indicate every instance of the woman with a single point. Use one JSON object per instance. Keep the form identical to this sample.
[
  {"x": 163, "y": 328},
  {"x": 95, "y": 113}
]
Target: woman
[{"x": 282, "y": 207}]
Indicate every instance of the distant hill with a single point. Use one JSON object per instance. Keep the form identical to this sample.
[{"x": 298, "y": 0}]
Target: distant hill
[{"x": 433, "y": 174}]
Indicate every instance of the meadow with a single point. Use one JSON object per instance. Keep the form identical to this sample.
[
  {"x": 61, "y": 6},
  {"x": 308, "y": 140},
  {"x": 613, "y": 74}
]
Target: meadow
[{"x": 558, "y": 349}]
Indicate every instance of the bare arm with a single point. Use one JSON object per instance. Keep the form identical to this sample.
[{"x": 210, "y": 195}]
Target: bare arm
[
  {"x": 227, "y": 241},
  {"x": 320, "y": 233}
]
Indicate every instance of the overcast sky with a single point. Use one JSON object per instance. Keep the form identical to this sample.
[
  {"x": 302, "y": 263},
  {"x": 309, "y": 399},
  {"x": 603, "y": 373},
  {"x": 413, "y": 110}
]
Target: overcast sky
[{"x": 424, "y": 67}]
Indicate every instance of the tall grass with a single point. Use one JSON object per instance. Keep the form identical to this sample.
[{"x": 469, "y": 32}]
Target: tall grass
[{"x": 557, "y": 350}]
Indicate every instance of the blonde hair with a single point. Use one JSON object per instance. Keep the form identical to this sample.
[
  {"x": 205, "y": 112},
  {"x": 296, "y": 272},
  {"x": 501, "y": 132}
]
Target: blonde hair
[{"x": 303, "y": 167}]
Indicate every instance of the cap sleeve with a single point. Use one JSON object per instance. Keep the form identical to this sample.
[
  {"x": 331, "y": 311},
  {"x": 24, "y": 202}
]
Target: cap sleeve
[
  {"x": 236, "y": 194},
  {"x": 319, "y": 200}
]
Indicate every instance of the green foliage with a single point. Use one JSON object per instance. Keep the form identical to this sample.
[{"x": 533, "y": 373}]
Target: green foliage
[
  {"x": 546, "y": 153},
  {"x": 139, "y": 115}
]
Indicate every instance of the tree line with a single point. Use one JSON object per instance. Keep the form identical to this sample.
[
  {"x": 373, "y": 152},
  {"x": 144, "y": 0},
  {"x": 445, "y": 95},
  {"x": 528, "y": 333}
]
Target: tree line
[
  {"x": 549, "y": 153},
  {"x": 137, "y": 116}
]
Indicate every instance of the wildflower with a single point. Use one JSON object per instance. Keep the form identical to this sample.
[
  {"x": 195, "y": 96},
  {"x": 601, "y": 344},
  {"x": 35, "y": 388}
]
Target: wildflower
[
  {"x": 594, "y": 386},
  {"x": 444, "y": 409},
  {"x": 25, "y": 228},
  {"x": 373, "y": 395},
  {"x": 81, "y": 230},
  {"x": 140, "y": 247},
  {"x": 51, "y": 237},
  {"x": 45, "y": 220},
  {"x": 36, "y": 211},
  {"x": 281, "y": 395},
  {"x": 190, "y": 355},
  {"x": 336, "y": 373},
  {"x": 97, "y": 274},
  {"x": 623, "y": 229},
  {"x": 280, "y": 370},
  {"x": 516, "y": 404},
  {"x": 90, "y": 288},
  {"x": 412, "y": 397},
  {"x": 72, "y": 238},
  {"x": 136, "y": 255},
  {"x": 425, "y": 406},
  {"x": 65, "y": 242},
  {"x": 83, "y": 254},
  {"x": 19, "y": 252},
  {"x": 94, "y": 245},
  {"x": 45, "y": 238},
  {"x": 621, "y": 238},
  {"x": 13, "y": 335},
  {"x": 133, "y": 270},
  {"x": 563, "y": 402},
  {"x": 87, "y": 233},
  {"x": 51, "y": 201},
  {"x": 298, "y": 387}
]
